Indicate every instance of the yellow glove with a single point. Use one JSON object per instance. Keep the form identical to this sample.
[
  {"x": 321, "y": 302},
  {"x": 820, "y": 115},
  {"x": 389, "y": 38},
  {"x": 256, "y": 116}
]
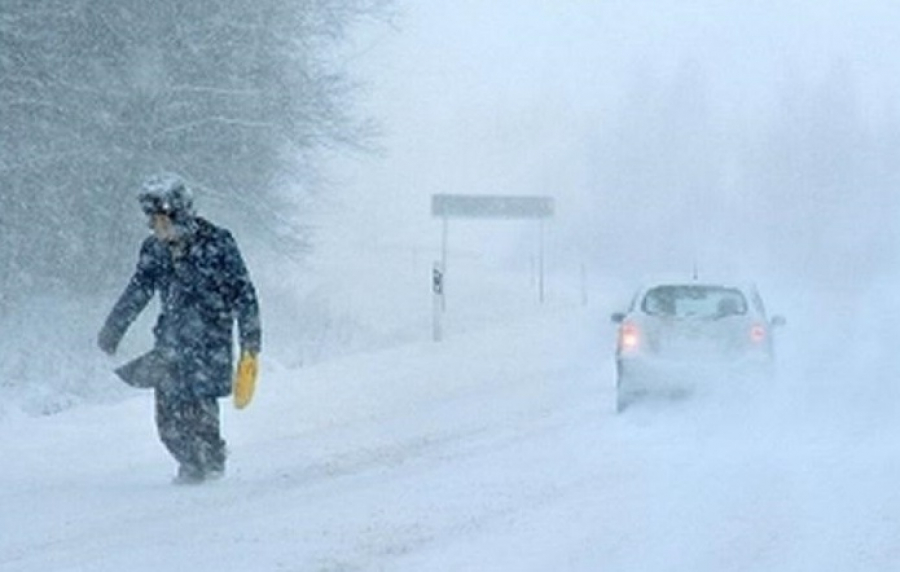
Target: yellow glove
[{"x": 245, "y": 379}]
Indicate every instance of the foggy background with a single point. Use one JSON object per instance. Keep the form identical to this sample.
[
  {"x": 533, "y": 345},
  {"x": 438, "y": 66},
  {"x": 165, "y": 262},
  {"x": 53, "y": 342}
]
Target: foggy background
[
  {"x": 753, "y": 139},
  {"x": 745, "y": 136}
]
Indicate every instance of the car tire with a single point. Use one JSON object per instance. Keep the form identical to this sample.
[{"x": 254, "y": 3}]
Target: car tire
[
  {"x": 622, "y": 402},
  {"x": 624, "y": 397}
]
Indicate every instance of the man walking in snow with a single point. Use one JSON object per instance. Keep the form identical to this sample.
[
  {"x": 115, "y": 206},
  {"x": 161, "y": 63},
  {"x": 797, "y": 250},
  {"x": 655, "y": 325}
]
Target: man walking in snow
[{"x": 204, "y": 288}]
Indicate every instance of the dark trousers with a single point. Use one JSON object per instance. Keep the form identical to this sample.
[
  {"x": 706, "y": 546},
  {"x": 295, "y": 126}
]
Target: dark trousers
[{"x": 189, "y": 428}]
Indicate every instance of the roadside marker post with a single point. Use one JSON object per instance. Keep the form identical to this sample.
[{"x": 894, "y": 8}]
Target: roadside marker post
[{"x": 437, "y": 289}]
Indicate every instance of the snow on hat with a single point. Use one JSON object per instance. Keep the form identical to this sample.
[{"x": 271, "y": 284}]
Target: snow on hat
[{"x": 166, "y": 193}]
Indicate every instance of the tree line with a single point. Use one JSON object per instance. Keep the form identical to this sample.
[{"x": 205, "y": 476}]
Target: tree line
[
  {"x": 804, "y": 183},
  {"x": 235, "y": 95}
]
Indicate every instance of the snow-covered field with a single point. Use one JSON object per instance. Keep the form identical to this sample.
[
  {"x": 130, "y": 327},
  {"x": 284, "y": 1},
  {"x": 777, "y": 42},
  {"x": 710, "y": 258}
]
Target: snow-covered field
[{"x": 497, "y": 449}]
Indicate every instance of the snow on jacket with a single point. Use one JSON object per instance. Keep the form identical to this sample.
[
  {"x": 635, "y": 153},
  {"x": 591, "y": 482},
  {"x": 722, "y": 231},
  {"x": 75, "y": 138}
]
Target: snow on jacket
[{"x": 204, "y": 287}]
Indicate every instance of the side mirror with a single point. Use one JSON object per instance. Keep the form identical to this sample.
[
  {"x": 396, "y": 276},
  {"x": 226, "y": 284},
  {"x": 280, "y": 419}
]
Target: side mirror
[
  {"x": 618, "y": 317},
  {"x": 778, "y": 321}
]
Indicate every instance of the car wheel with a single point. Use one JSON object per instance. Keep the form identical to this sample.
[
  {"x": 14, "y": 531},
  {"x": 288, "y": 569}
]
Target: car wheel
[
  {"x": 624, "y": 395},
  {"x": 622, "y": 401}
]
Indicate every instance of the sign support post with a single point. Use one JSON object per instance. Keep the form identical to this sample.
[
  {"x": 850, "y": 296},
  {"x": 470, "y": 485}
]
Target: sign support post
[
  {"x": 541, "y": 263},
  {"x": 443, "y": 268}
]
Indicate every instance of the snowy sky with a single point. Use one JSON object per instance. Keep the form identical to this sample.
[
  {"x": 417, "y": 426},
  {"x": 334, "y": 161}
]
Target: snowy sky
[{"x": 510, "y": 97}]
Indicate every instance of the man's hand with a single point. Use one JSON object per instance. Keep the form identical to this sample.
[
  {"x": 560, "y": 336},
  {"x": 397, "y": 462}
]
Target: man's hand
[{"x": 245, "y": 379}]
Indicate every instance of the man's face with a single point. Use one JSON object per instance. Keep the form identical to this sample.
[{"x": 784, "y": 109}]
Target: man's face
[{"x": 163, "y": 227}]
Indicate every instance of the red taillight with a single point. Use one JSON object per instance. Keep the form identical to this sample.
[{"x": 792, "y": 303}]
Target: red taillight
[
  {"x": 629, "y": 337},
  {"x": 758, "y": 333}
]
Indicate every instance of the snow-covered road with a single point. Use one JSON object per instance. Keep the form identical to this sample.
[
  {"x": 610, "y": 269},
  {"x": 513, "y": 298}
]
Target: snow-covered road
[{"x": 495, "y": 450}]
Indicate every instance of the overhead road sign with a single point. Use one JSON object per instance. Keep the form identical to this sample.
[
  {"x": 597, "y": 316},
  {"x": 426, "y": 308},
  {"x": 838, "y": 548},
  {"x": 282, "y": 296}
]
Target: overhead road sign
[{"x": 491, "y": 206}]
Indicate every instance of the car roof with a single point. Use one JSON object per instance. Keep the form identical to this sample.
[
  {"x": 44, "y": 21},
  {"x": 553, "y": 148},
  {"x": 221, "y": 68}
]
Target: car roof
[
  {"x": 742, "y": 284},
  {"x": 748, "y": 288}
]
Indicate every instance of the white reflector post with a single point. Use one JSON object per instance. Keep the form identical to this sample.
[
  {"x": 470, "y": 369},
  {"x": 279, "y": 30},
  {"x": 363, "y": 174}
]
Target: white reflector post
[{"x": 437, "y": 290}]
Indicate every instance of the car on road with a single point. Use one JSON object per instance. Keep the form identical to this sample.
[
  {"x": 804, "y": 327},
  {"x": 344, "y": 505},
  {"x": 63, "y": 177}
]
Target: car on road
[{"x": 678, "y": 334}]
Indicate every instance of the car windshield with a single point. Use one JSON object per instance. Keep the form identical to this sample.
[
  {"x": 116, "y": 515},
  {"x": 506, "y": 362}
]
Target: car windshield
[{"x": 694, "y": 301}]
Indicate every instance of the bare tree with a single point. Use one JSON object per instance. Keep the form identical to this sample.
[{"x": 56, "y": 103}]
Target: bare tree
[{"x": 95, "y": 94}]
